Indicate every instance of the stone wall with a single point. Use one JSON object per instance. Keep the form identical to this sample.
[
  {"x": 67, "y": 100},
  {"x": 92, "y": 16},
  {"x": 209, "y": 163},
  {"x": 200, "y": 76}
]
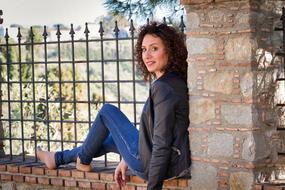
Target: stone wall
[{"x": 233, "y": 91}]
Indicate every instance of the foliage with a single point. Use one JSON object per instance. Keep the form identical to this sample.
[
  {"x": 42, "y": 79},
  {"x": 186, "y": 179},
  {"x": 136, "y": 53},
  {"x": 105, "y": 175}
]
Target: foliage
[{"x": 140, "y": 10}]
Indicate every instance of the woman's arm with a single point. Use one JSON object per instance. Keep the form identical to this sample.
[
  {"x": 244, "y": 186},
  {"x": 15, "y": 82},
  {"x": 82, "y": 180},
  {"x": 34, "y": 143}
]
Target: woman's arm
[{"x": 164, "y": 122}]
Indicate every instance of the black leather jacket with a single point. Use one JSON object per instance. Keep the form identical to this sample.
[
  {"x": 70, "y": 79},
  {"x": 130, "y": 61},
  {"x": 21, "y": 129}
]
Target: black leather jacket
[{"x": 163, "y": 135}]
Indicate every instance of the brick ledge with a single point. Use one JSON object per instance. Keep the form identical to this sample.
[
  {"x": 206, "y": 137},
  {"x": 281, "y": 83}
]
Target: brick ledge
[{"x": 31, "y": 172}]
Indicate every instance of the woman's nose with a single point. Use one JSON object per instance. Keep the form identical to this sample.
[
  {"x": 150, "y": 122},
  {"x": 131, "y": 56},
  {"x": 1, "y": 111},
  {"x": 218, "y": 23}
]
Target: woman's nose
[{"x": 147, "y": 53}]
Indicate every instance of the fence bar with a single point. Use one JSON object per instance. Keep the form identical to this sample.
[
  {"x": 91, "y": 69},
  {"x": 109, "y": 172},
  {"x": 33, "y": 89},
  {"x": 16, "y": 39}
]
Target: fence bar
[
  {"x": 132, "y": 29},
  {"x": 58, "y": 33},
  {"x": 86, "y": 31},
  {"x": 73, "y": 81},
  {"x": 101, "y": 31},
  {"x": 33, "y": 84},
  {"x": 8, "y": 60},
  {"x": 21, "y": 93},
  {"x": 45, "y": 34},
  {"x": 116, "y": 30}
]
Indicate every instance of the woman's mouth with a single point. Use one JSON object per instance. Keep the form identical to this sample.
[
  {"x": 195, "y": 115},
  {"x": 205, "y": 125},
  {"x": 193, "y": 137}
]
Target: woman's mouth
[{"x": 149, "y": 63}]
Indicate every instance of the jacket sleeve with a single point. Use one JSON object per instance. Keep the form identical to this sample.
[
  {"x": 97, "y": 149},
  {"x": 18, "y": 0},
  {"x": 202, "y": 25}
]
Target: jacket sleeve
[{"x": 164, "y": 120}]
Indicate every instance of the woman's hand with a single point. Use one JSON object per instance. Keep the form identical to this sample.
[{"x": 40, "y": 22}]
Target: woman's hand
[{"x": 120, "y": 173}]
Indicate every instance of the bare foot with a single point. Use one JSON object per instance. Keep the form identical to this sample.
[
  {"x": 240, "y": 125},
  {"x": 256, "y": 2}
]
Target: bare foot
[
  {"x": 47, "y": 158},
  {"x": 82, "y": 167}
]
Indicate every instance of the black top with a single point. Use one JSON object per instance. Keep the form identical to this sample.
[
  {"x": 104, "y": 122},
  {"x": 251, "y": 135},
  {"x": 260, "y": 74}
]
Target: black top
[{"x": 163, "y": 135}]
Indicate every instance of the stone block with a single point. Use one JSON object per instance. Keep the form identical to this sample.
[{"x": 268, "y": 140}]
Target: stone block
[
  {"x": 241, "y": 181},
  {"x": 195, "y": 20},
  {"x": 196, "y": 143},
  {"x": 8, "y": 186},
  {"x": 192, "y": 77},
  {"x": 237, "y": 114},
  {"x": 203, "y": 177},
  {"x": 192, "y": 2},
  {"x": 201, "y": 110},
  {"x": 220, "y": 145},
  {"x": 243, "y": 18},
  {"x": 240, "y": 49},
  {"x": 217, "y": 16},
  {"x": 201, "y": 46},
  {"x": 246, "y": 85},
  {"x": 255, "y": 147},
  {"x": 221, "y": 82}
]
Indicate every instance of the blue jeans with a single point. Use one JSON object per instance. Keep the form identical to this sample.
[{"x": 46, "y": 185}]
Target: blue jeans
[{"x": 110, "y": 132}]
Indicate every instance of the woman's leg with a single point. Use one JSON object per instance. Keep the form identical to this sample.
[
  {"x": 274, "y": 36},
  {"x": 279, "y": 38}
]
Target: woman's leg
[
  {"x": 111, "y": 131},
  {"x": 124, "y": 134}
]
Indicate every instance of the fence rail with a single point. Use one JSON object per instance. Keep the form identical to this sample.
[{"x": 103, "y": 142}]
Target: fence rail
[{"x": 51, "y": 90}]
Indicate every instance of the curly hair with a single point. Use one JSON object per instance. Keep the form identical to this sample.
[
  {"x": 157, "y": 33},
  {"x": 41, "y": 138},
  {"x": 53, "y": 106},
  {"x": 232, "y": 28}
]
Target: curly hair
[{"x": 175, "y": 48}]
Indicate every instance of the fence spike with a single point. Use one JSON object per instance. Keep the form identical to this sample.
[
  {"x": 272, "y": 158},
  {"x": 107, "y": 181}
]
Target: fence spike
[
  {"x": 1, "y": 19},
  {"x": 71, "y": 32},
  {"x": 7, "y": 35},
  {"x": 116, "y": 30},
  {"x": 283, "y": 13},
  {"x": 182, "y": 25},
  {"x": 132, "y": 28},
  {"x": 164, "y": 20},
  {"x": 32, "y": 33},
  {"x": 101, "y": 30},
  {"x": 58, "y": 33},
  {"x": 86, "y": 31},
  {"x": 45, "y": 34},
  {"x": 19, "y": 35}
]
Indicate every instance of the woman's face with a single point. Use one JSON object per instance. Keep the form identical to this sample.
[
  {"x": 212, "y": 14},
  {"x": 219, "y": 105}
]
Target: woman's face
[{"x": 154, "y": 54}]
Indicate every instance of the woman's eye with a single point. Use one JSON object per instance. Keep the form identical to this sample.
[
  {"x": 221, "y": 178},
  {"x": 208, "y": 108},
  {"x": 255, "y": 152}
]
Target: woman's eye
[
  {"x": 154, "y": 48},
  {"x": 143, "y": 50}
]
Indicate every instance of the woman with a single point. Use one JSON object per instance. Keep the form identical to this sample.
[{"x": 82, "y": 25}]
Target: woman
[{"x": 160, "y": 149}]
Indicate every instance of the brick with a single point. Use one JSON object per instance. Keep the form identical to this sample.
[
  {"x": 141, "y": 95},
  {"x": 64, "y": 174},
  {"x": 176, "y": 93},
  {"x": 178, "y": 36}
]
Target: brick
[
  {"x": 107, "y": 176},
  {"x": 25, "y": 169},
  {"x": 98, "y": 185},
  {"x": 56, "y": 182},
  {"x": 112, "y": 186},
  {"x": 170, "y": 183},
  {"x": 129, "y": 187},
  {"x": 30, "y": 179},
  {"x": 3, "y": 167},
  {"x": 77, "y": 174},
  {"x": 273, "y": 188},
  {"x": 13, "y": 168},
  {"x": 43, "y": 180},
  {"x": 183, "y": 182},
  {"x": 18, "y": 178},
  {"x": 141, "y": 188},
  {"x": 70, "y": 183},
  {"x": 51, "y": 172},
  {"x": 136, "y": 179},
  {"x": 38, "y": 171},
  {"x": 91, "y": 175},
  {"x": 257, "y": 187},
  {"x": 64, "y": 173},
  {"x": 6, "y": 177},
  {"x": 84, "y": 184}
]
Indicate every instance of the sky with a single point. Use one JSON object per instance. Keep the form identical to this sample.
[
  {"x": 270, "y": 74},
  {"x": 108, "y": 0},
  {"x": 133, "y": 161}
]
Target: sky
[{"x": 49, "y": 12}]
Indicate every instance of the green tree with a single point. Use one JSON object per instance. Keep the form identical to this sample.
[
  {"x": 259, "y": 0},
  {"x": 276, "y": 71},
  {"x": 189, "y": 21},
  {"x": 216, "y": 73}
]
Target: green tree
[{"x": 136, "y": 9}]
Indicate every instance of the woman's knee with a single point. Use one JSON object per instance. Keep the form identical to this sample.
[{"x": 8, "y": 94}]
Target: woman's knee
[{"x": 107, "y": 108}]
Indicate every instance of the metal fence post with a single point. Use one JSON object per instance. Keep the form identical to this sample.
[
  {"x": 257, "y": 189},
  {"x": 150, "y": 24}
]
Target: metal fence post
[{"x": 2, "y": 153}]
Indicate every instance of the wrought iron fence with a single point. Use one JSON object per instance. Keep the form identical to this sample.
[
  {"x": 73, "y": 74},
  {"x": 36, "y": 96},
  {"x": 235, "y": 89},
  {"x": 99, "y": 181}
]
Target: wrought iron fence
[{"x": 51, "y": 90}]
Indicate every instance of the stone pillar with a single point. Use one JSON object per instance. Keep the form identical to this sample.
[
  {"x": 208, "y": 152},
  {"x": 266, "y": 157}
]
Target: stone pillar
[{"x": 231, "y": 80}]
